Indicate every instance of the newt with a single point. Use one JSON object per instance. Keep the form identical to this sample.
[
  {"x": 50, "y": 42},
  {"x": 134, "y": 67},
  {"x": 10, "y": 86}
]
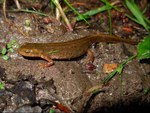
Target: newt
[{"x": 67, "y": 50}]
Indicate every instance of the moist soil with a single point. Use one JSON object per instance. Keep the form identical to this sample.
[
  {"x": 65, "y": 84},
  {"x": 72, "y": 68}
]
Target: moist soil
[{"x": 30, "y": 88}]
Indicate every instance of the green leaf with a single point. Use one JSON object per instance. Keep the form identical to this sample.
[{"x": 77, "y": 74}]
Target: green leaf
[
  {"x": 109, "y": 77},
  {"x": 4, "y": 51},
  {"x": 9, "y": 45},
  {"x": 139, "y": 17},
  {"x": 51, "y": 111},
  {"x": 93, "y": 12},
  {"x": 120, "y": 68},
  {"x": 5, "y": 57},
  {"x": 144, "y": 48},
  {"x": 11, "y": 50},
  {"x": 146, "y": 91},
  {"x": 27, "y": 23},
  {"x": 2, "y": 86},
  {"x": 13, "y": 42}
]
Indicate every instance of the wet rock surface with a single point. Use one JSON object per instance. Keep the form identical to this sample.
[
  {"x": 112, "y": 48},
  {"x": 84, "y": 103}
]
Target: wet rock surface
[{"x": 29, "y": 88}]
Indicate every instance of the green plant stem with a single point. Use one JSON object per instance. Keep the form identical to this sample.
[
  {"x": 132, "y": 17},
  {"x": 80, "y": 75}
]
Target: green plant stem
[
  {"x": 109, "y": 15},
  {"x": 118, "y": 70},
  {"x": 81, "y": 16},
  {"x": 30, "y": 11},
  {"x": 56, "y": 2}
]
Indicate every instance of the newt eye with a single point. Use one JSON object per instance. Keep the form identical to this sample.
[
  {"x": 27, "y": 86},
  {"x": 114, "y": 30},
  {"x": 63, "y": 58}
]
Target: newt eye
[{"x": 28, "y": 51}]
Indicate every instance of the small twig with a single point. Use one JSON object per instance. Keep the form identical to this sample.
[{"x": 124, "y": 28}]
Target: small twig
[
  {"x": 17, "y": 4},
  {"x": 4, "y": 9},
  {"x": 86, "y": 97},
  {"x": 10, "y": 22},
  {"x": 20, "y": 31},
  {"x": 30, "y": 11},
  {"x": 56, "y": 2},
  {"x": 57, "y": 14},
  {"x": 63, "y": 102}
]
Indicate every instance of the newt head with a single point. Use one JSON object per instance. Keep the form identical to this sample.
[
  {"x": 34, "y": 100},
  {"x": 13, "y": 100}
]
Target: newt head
[{"x": 28, "y": 50}]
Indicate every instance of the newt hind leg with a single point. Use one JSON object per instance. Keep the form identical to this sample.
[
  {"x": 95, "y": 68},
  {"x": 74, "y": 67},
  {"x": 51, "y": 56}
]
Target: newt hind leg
[
  {"x": 89, "y": 61},
  {"x": 90, "y": 58}
]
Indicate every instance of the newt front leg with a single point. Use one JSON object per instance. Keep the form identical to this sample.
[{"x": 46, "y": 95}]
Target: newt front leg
[{"x": 47, "y": 58}]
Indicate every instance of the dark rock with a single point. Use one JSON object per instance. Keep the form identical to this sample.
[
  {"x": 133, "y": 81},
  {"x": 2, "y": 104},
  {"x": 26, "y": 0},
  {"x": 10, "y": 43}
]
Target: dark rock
[
  {"x": 25, "y": 90},
  {"x": 28, "y": 109},
  {"x": 2, "y": 73}
]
